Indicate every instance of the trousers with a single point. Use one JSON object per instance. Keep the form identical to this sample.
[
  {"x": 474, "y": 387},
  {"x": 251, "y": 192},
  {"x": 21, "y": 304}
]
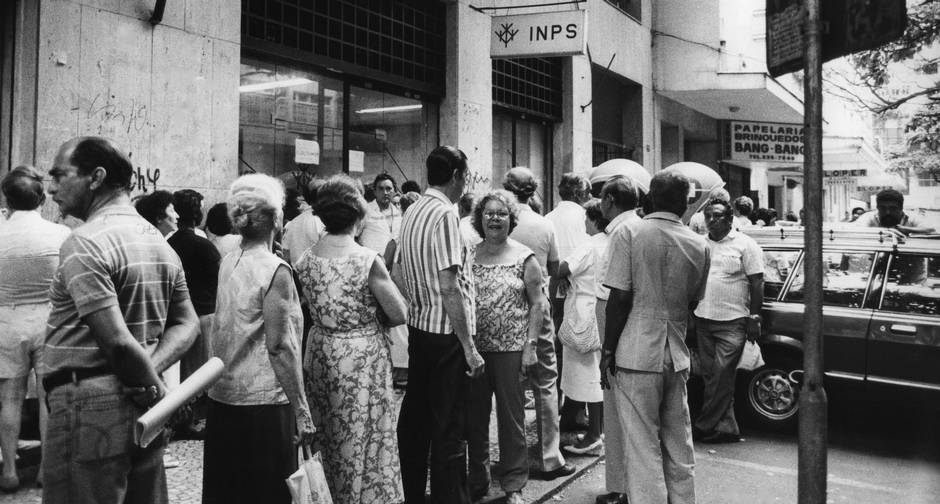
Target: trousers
[
  {"x": 656, "y": 436},
  {"x": 432, "y": 420},
  {"x": 503, "y": 370},
  {"x": 543, "y": 378},
  {"x": 720, "y": 344},
  {"x": 89, "y": 455}
]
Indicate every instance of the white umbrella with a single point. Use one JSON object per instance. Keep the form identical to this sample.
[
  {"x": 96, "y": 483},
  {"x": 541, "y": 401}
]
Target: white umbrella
[
  {"x": 622, "y": 167},
  {"x": 702, "y": 179}
]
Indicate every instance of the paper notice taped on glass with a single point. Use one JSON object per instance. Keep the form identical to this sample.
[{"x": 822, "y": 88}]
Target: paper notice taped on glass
[
  {"x": 357, "y": 161},
  {"x": 306, "y": 151},
  {"x": 151, "y": 423}
]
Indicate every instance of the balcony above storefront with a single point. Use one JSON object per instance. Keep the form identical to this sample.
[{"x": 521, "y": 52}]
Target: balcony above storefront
[{"x": 740, "y": 96}]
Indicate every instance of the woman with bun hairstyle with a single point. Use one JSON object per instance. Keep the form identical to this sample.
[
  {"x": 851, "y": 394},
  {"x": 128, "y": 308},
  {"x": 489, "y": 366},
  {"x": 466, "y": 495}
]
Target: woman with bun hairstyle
[
  {"x": 258, "y": 403},
  {"x": 348, "y": 363}
]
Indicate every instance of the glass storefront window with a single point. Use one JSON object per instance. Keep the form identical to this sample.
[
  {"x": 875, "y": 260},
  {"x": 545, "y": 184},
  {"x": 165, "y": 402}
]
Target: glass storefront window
[
  {"x": 280, "y": 105},
  {"x": 394, "y": 133}
]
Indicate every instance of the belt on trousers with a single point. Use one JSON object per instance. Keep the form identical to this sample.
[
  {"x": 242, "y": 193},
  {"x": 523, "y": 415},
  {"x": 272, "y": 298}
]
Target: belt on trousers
[{"x": 65, "y": 376}]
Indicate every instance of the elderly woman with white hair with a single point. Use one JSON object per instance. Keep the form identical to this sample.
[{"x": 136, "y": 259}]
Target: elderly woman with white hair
[{"x": 259, "y": 402}]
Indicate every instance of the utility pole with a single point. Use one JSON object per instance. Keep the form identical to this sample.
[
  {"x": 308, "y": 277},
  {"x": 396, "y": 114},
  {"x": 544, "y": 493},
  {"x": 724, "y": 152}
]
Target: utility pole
[{"x": 813, "y": 402}]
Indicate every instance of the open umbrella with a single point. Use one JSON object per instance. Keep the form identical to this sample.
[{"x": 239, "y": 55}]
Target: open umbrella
[
  {"x": 702, "y": 179},
  {"x": 623, "y": 167}
]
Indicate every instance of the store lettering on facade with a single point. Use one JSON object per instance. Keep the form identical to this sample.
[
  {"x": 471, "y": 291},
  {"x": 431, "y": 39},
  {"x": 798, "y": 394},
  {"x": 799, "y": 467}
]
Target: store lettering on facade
[
  {"x": 559, "y": 33},
  {"x": 756, "y": 141}
]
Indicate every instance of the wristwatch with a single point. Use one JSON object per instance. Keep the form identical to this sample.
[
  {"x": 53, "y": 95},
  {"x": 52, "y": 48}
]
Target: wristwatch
[{"x": 756, "y": 317}]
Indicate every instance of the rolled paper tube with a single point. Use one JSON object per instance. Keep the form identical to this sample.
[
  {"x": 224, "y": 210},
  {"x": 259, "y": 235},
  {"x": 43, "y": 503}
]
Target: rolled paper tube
[{"x": 151, "y": 423}]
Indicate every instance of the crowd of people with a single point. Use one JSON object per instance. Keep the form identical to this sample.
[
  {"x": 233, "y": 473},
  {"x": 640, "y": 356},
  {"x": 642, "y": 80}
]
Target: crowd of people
[{"x": 458, "y": 298}]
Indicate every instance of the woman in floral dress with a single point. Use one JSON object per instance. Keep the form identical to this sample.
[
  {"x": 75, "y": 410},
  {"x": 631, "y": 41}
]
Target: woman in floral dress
[
  {"x": 347, "y": 361},
  {"x": 510, "y": 306}
]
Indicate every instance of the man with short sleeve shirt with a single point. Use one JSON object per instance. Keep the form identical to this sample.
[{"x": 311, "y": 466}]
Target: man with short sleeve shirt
[
  {"x": 657, "y": 270},
  {"x": 436, "y": 273},
  {"x": 727, "y": 314},
  {"x": 120, "y": 316}
]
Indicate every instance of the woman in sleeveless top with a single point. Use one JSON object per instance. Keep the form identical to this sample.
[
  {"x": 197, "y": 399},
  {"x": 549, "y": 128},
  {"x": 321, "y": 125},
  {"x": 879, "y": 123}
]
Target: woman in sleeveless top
[
  {"x": 348, "y": 363},
  {"x": 510, "y": 307},
  {"x": 259, "y": 400}
]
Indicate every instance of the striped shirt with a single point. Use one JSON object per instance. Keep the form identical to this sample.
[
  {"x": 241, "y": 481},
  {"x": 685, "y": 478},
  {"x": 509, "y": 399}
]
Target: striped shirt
[
  {"x": 430, "y": 243},
  {"x": 115, "y": 259},
  {"x": 728, "y": 292}
]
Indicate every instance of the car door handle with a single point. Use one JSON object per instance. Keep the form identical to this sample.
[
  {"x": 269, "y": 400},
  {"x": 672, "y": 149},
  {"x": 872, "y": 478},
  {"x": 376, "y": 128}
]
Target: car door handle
[{"x": 904, "y": 330}]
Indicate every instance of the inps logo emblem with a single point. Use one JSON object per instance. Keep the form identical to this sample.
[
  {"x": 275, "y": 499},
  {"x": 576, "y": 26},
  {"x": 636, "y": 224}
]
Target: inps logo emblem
[{"x": 506, "y": 33}]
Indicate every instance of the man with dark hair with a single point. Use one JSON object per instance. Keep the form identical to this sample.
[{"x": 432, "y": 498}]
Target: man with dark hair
[
  {"x": 538, "y": 233},
  {"x": 727, "y": 314},
  {"x": 410, "y": 186},
  {"x": 657, "y": 270},
  {"x": 383, "y": 217},
  {"x": 157, "y": 209},
  {"x": 304, "y": 231},
  {"x": 29, "y": 256},
  {"x": 436, "y": 272},
  {"x": 890, "y": 214},
  {"x": 201, "y": 266},
  {"x": 618, "y": 204},
  {"x": 120, "y": 316}
]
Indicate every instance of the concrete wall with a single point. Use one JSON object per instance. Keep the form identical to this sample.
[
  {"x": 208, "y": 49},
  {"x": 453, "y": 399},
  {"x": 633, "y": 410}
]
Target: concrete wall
[
  {"x": 167, "y": 94},
  {"x": 466, "y": 113},
  {"x": 686, "y": 50}
]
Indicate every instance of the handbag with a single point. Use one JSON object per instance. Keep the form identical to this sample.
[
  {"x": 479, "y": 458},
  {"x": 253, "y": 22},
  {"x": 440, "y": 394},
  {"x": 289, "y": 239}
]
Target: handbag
[
  {"x": 577, "y": 331},
  {"x": 751, "y": 357},
  {"x": 308, "y": 483}
]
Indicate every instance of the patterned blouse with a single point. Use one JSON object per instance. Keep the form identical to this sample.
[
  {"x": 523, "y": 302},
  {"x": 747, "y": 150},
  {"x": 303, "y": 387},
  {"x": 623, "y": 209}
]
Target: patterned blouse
[{"x": 502, "y": 305}]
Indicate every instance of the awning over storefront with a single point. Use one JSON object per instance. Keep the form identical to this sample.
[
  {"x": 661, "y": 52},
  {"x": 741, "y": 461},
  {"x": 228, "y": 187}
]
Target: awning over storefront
[
  {"x": 742, "y": 97},
  {"x": 880, "y": 181}
]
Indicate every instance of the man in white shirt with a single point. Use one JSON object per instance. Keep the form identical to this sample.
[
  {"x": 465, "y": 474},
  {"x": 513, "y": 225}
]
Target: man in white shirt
[
  {"x": 303, "y": 231},
  {"x": 383, "y": 217},
  {"x": 538, "y": 233},
  {"x": 890, "y": 214},
  {"x": 29, "y": 256},
  {"x": 465, "y": 211},
  {"x": 727, "y": 314}
]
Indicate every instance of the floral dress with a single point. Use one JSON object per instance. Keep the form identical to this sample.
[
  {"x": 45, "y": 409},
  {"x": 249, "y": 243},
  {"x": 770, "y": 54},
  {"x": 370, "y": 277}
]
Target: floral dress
[{"x": 348, "y": 379}]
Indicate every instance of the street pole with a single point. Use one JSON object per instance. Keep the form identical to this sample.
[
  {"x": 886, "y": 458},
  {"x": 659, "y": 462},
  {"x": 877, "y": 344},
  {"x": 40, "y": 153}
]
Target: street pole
[{"x": 813, "y": 403}]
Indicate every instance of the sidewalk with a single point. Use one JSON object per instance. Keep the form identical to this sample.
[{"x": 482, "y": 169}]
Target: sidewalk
[{"x": 184, "y": 482}]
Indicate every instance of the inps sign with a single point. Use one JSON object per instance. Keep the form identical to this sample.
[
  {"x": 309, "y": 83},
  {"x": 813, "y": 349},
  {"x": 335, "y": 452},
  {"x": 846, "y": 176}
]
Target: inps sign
[{"x": 561, "y": 33}]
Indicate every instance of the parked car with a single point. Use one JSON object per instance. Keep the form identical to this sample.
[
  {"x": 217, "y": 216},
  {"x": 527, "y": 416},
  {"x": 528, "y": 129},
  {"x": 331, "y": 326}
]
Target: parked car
[{"x": 881, "y": 320}]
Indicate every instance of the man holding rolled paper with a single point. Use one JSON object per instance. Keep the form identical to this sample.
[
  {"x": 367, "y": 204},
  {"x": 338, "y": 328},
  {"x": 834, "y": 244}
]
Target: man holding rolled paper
[{"x": 120, "y": 316}]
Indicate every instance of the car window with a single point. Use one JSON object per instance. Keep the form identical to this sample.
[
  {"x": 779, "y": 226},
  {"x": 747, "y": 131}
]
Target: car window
[
  {"x": 778, "y": 265},
  {"x": 913, "y": 284},
  {"x": 845, "y": 278}
]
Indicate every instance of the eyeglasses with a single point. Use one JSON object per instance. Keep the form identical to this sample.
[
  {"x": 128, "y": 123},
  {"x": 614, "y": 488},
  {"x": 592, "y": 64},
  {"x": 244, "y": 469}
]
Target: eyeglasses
[{"x": 496, "y": 215}]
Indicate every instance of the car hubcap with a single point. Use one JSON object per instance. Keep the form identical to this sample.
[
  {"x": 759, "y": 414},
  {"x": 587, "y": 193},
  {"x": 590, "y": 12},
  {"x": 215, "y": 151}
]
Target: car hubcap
[{"x": 772, "y": 394}]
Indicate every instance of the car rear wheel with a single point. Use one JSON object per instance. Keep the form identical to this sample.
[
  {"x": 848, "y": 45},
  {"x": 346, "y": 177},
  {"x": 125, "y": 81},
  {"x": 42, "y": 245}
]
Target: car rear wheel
[{"x": 769, "y": 399}]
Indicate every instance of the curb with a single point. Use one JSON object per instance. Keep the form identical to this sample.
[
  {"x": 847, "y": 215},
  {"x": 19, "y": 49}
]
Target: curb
[{"x": 571, "y": 479}]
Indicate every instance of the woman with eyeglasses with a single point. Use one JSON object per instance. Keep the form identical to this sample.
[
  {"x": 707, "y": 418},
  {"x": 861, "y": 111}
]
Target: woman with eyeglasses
[{"x": 510, "y": 306}]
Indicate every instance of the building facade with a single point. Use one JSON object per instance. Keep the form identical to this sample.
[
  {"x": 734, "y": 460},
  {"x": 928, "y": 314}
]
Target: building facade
[{"x": 287, "y": 87}]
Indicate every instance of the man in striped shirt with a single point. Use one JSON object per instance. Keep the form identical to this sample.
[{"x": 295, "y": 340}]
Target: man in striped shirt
[
  {"x": 438, "y": 280},
  {"x": 121, "y": 315}
]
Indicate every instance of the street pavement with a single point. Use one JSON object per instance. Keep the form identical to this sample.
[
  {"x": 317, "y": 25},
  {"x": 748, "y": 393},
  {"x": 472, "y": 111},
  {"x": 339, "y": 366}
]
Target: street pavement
[{"x": 876, "y": 456}]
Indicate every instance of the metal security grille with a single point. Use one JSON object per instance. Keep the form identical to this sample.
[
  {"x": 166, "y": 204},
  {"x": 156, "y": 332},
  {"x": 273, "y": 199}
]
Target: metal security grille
[
  {"x": 528, "y": 85},
  {"x": 403, "y": 38}
]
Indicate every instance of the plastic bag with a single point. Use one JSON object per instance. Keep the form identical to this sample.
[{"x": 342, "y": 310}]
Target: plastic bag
[
  {"x": 751, "y": 357},
  {"x": 308, "y": 484}
]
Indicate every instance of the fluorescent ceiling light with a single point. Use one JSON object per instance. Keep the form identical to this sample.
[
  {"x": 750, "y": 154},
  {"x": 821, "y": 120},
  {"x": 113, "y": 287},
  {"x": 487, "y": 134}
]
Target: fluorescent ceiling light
[
  {"x": 398, "y": 108},
  {"x": 247, "y": 88}
]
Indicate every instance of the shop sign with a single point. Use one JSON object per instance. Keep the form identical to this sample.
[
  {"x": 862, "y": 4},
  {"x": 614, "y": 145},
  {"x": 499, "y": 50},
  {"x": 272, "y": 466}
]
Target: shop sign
[
  {"x": 858, "y": 172},
  {"x": 561, "y": 33},
  {"x": 759, "y": 141}
]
